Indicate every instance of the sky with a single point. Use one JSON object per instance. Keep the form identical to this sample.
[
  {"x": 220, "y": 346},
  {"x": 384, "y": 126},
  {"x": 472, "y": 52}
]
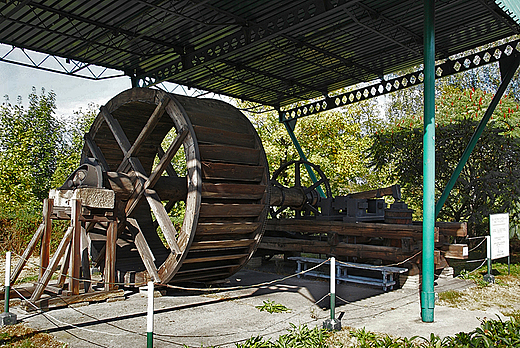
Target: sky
[{"x": 72, "y": 93}]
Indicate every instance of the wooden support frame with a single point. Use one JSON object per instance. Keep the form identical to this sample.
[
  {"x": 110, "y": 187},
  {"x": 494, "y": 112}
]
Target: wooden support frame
[
  {"x": 53, "y": 265},
  {"x": 46, "y": 237},
  {"x": 75, "y": 257},
  {"x": 110, "y": 257},
  {"x": 27, "y": 253},
  {"x": 65, "y": 266}
]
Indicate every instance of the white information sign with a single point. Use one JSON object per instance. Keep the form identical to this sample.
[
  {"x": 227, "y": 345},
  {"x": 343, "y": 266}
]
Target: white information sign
[{"x": 499, "y": 232}]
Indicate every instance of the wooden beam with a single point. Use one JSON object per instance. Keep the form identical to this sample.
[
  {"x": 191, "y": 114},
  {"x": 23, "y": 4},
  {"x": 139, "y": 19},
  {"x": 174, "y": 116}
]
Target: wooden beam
[
  {"x": 116, "y": 130},
  {"x": 169, "y": 168},
  {"x": 167, "y": 158},
  {"x": 85, "y": 261},
  {"x": 96, "y": 152},
  {"x": 145, "y": 132},
  {"x": 76, "y": 244},
  {"x": 144, "y": 250},
  {"x": 46, "y": 238},
  {"x": 27, "y": 253},
  {"x": 341, "y": 249},
  {"x": 64, "y": 266},
  {"x": 64, "y": 301},
  {"x": 359, "y": 229},
  {"x": 110, "y": 256},
  {"x": 163, "y": 219},
  {"x": 53, "y": 265}
]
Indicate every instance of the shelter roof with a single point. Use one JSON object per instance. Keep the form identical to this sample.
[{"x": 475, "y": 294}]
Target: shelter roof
[{"x": 274, "y": 52}]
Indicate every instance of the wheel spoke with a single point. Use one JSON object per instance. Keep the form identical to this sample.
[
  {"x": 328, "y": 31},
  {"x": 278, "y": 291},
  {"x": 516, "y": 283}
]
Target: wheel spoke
[
  {"x": 169, "y": 168},
  {"x": 313, "y": 186},
  {"x": 145, "y": 132},
  {"x": 297, "y": 176},
  {"x": 282, "y": 208},
  {"x": 312, "y": 208}
]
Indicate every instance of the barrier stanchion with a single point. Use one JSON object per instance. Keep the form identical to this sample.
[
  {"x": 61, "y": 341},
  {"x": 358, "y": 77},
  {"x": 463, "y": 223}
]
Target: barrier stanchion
[
  {"x": 332, "y": 323},
  {"x": 149, "y": 323},
  {"x": 6, "y": 317}
]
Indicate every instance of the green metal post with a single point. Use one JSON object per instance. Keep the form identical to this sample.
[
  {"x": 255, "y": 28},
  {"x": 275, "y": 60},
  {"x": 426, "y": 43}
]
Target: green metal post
[
  {"x": 332, "y": 288},
  {"x": 427, "y": 294},
  {"x": 290, "y": 130},
  {"x": 506, "y": 78}
]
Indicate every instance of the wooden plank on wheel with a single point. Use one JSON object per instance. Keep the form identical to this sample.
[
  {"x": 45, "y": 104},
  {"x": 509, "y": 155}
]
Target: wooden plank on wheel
[
  {"x": 228, "y": 171},
  {"x": 232, "y": 191},
  {"x": 229, "y": 154},
  {"x": 220, "y": 136},
  {"x": 230, "y": 210}
]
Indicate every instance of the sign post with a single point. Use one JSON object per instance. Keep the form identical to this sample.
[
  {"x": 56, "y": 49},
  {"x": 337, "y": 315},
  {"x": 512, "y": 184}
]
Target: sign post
[{"x": 497, "y": 241}]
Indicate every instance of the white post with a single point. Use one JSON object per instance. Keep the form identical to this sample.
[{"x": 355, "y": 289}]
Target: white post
[
  {"x": 332, "y": 323},
  {"x": 149, "y": 323},
  {"x": 7, "y": 280}
]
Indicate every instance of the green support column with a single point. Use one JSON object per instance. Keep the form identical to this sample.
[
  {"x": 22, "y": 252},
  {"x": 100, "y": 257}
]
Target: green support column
[
  {"x": 427, "y": 293},
  {"x": 290, "y": 130}
]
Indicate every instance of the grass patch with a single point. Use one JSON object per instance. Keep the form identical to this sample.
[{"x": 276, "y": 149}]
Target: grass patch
[
  {"x": 491, "y": 333},
  {"x": 450, "y": 296},
  {"x": 297, "y": 337},
  {"x": 272, "y": 307},
  {"x": 28, "y": 279},
  {"x": 20, "y": 336}
]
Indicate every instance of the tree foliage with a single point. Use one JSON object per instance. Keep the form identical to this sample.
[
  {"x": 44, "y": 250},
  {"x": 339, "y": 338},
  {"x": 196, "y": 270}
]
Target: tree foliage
[
  {"x": 490, "y": 181},
  {"x": 29, "y": 140},
  {"x": 337, "y": 141}
]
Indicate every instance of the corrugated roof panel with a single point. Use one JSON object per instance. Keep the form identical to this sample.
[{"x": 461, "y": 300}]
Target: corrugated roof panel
[{"x": 275, "y": 51}]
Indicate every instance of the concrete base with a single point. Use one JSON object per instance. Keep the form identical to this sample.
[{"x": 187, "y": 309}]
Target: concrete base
[
  {"x": 7, "y": 318},
  {"x": 332, "y": 324}
]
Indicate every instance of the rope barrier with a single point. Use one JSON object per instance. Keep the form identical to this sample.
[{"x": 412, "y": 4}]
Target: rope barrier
[
  {"x": 374, "y": 266},
  {"x": 59, "y": 321},
  {"x": 95, "y": 282},
  {"x": 247, "y": 286},
  {"x": 478, "y": 245}
]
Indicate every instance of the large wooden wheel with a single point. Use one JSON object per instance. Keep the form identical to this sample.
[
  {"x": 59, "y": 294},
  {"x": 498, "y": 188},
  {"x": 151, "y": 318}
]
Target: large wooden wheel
[{"x": 226, "y": 186}]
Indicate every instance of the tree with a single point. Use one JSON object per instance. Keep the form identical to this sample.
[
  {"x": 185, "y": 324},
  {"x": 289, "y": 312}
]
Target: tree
[
  {"x": 69, "y": 149},
  {"x": 337, "y": 141},
  {"x": 29, "y": 140},
  {"x": 490, "y": 181}
]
